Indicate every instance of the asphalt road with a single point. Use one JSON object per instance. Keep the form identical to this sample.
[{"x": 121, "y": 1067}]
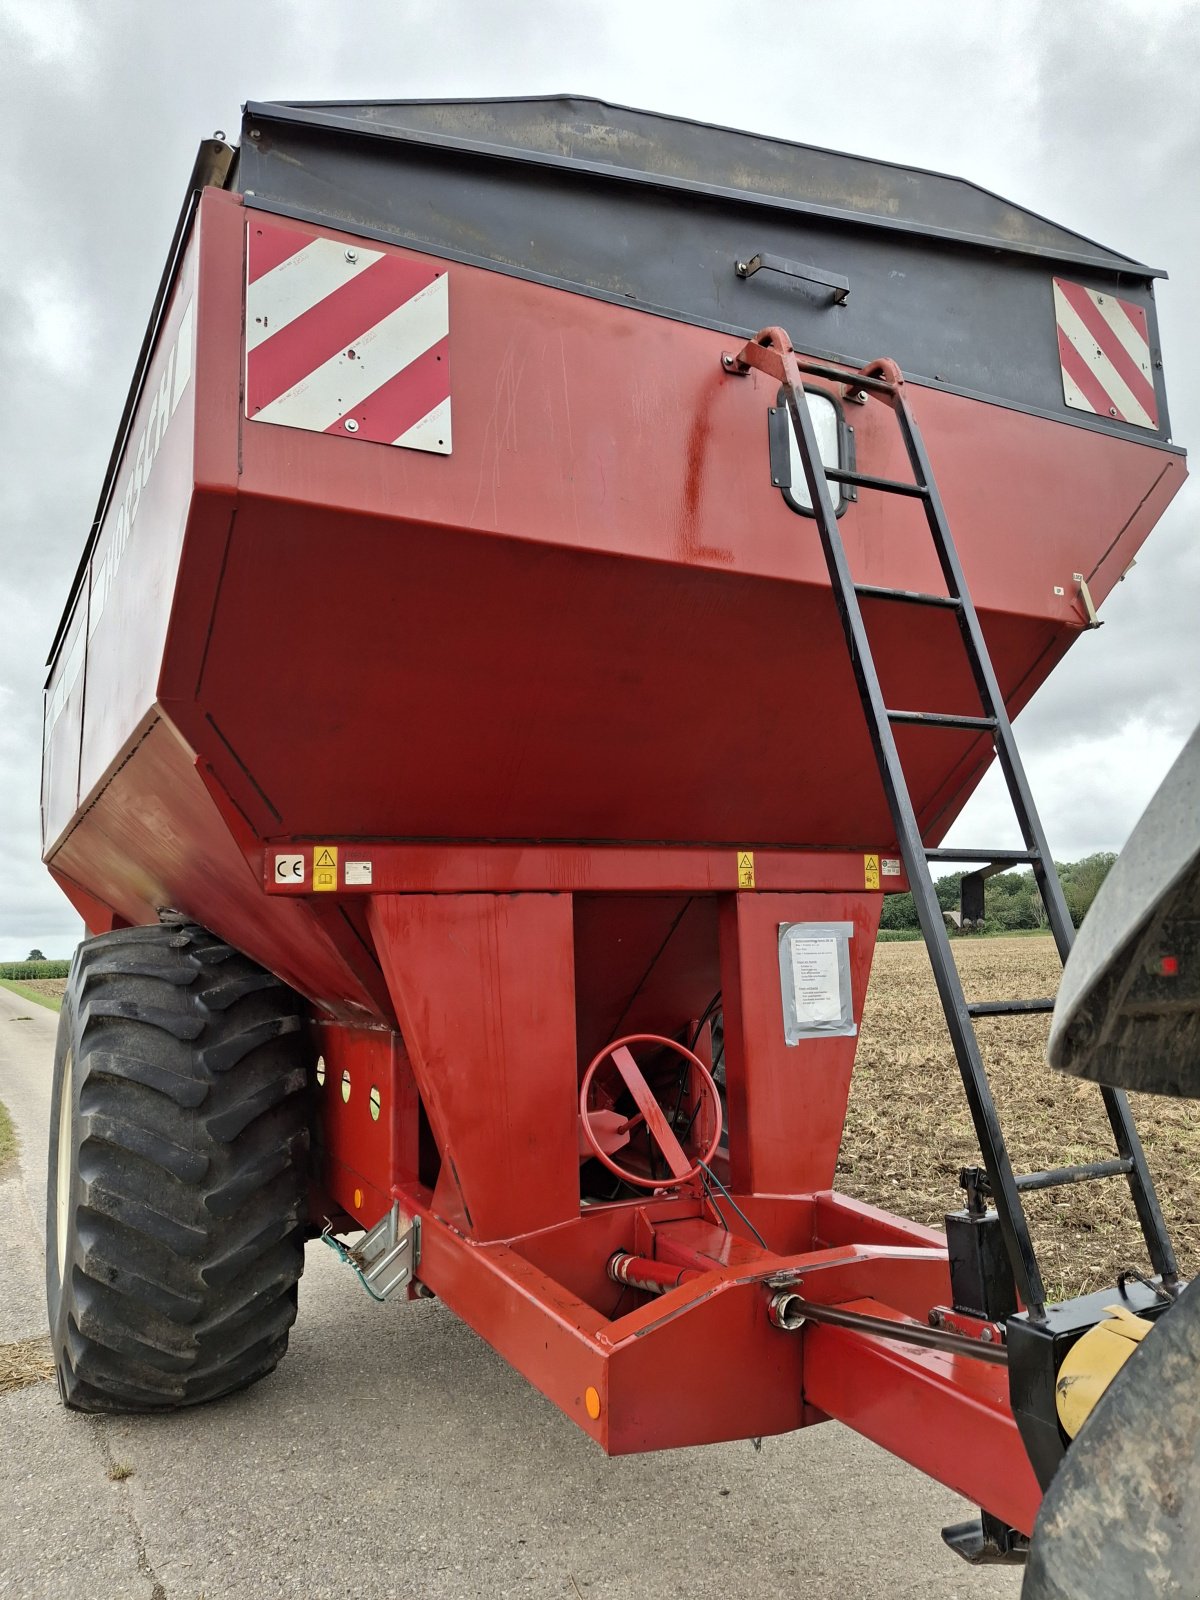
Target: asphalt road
[{"x": 393, "y": 1455}]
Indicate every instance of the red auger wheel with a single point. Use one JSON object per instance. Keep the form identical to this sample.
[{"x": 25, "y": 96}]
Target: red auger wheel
[{"x": 650, "y": 1112}]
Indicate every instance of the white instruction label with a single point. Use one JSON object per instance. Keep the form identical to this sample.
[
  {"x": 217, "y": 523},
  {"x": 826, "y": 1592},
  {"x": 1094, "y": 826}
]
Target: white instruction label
[
  {"x": 891, "y": 867},
  {"x": 358, "y": 872},
  {"x": 816, "y": 980}
]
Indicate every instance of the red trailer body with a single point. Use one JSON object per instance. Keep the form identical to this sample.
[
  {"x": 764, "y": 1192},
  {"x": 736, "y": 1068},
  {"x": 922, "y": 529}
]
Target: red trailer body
[{"x": 501, "y": 743}]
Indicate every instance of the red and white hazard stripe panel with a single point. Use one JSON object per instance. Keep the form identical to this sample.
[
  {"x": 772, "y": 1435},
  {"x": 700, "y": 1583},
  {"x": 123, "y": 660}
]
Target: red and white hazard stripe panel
[
  {"x": 346, "y": 339},
  {"x": 1104, "y": 351}
]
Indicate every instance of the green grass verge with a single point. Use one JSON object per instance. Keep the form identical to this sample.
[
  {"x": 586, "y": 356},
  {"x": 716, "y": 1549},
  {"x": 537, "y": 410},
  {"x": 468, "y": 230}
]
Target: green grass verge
[
  {"x": 8, "y": 1138},
  {"x": 52, "y": 1002}
]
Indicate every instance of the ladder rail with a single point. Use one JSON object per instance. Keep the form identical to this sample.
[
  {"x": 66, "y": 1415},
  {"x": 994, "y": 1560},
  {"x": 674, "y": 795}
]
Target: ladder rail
[
  {"x": 1002, "y": 1179},
  {"x": 986, "y": 683},
  {"x": 1116, "y": 1103},
  {"x": 988, "y": 1132}
]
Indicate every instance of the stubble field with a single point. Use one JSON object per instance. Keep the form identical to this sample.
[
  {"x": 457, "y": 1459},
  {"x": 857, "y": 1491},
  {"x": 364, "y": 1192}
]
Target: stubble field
[{"x": 908, "y": 1131}]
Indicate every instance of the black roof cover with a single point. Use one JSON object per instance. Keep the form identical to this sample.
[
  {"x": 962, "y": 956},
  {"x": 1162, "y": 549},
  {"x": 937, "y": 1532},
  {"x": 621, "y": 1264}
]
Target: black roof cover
[{"x": 693, "y": 155}]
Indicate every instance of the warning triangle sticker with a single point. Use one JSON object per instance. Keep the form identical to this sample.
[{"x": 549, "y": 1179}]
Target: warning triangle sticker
[
  {"x": 325, "y": 860},
  {"x": 745, "y": 859}
]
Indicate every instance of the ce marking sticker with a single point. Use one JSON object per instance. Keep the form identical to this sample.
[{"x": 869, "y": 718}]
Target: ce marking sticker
[{"x": 289, "y": 869}]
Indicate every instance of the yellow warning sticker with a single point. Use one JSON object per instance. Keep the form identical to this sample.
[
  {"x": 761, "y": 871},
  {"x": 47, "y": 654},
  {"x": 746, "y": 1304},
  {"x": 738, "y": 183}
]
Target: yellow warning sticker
[
  {"x": 870, "y": 872},
  {"x": 745, "y": 869},
  {"x": 325, "y": 866}
]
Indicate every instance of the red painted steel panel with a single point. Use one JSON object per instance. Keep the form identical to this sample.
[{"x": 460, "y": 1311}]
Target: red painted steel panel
[
  {"x": 840, "y": 1220},
  {"x": 605, "y": 879},
  {"x": 576, "y": 1253},
  {"x": 484, "y": 989},
  {"x": 787, "y": 1103},
  {"x": 158, "y": 839},
  {"x": 366, "y": 1107},
  {"x": 947, "y": 1415},
  {"x": 712, "y": 1369},
  {"x": 702, "y": 1362},
  {"x": 644, "y": 964},
  {"x": 540, "y": 1327}
]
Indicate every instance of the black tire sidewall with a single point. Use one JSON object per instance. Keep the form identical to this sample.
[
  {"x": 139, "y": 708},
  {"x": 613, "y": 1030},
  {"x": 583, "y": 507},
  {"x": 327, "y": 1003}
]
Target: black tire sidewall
[{"x": 66, "y": 1050}]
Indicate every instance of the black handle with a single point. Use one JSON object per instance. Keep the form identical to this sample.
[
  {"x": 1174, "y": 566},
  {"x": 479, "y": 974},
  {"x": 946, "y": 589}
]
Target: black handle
[{"x": 839, "y": 287}]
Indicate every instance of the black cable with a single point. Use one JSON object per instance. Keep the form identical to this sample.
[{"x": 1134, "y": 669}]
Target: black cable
[
  {"x": 704, "y": 1167},
  {"x": 708, "y": 1011},
  {"x": 712, "y": 1199},
  {"x": 704, "y": 1016}
]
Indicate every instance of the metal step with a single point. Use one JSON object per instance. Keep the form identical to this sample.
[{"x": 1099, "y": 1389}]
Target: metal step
[
  {"x": 1058, "y": 1177},
  {"x": 862, "y": 480},
  {"x": 1008, "y": 1008},
  {"x": 943, "y": 719},
  {"x": 992, "y": 857},
  {"x": 912, "y": 597}
]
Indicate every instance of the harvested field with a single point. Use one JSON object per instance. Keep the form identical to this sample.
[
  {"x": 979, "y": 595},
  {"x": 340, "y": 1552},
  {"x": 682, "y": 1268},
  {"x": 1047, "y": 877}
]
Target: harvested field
[
  {"x": 50, "y": 986},
  {"x": 46, "y": 992},
  {"x": 908, "y": 1131}
]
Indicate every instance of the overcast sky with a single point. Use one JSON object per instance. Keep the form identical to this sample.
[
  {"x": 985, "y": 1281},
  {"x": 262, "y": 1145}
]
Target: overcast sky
[{"x": 1085, "y": 112}]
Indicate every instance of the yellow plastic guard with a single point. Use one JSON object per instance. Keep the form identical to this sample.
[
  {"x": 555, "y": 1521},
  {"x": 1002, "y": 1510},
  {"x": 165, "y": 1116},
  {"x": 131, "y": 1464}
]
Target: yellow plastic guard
[{"x": 1093, "y": 1362}]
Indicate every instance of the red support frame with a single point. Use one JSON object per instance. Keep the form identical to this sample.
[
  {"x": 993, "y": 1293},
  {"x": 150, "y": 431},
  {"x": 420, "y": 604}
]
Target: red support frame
[
  {"x": 485, "y": 988},
  {"x": 787, "y": 1104}
]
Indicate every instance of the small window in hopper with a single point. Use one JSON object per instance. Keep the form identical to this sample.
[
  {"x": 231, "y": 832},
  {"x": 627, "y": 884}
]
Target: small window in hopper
[{"x": 835, "y": 440}]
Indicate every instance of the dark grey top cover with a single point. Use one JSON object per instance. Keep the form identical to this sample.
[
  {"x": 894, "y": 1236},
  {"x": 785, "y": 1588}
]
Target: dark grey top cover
[{"x": 948, "y": 279}]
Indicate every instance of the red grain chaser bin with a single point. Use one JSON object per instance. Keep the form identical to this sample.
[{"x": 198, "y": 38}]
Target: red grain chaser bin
[{"x": 452, "y": 689}]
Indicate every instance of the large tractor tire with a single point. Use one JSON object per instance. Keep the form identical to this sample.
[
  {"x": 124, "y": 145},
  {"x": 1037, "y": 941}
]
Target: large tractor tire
[{"x": 179, "y": 1139}]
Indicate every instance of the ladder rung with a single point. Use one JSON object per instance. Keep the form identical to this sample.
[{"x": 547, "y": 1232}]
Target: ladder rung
[
  {"x": 856, "y": 380},
  {"x": 1056, "y": 1177},
  {"x": 1008, "y": 1008},
  {"x": 862, "y": 480},
  {"x": 872, "y": 591},
  {"x": 992, "y": 857},
  {"x": 942, "y": 719}
]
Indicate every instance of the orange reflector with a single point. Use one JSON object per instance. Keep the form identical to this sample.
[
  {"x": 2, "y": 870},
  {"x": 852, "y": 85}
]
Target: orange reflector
[
  {"x": 357, "y": 1199},
  {"x": 591, "y": 1399}
]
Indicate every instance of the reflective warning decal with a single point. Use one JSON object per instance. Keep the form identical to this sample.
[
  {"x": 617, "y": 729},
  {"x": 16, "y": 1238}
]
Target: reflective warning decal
[
  {"x": 325, "y": 866},
  {"x": 1104, "y": 353},
  {"x": 745, "y": 869},
  {"x": 345, "y": 339}
]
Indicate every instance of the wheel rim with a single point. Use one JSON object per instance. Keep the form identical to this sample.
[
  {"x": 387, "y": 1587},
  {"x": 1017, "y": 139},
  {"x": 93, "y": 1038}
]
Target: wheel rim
[{"x": 66, "y": 1150}]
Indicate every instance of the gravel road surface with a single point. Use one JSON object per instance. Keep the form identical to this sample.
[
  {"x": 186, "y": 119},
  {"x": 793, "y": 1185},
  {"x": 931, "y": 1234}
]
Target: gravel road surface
[{"x": 393, "y": 1455}]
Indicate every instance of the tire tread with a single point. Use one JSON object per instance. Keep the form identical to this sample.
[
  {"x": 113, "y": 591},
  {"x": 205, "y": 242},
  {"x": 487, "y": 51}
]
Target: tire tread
[{"x": 192, "y": 1125}]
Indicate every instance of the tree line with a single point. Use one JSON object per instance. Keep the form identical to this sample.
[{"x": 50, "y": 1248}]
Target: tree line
[{"x": 1011, "y": 901}]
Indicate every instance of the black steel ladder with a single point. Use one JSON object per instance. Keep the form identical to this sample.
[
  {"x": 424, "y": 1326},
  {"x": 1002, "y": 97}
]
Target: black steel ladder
[{"x": 771, "y": 351}]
